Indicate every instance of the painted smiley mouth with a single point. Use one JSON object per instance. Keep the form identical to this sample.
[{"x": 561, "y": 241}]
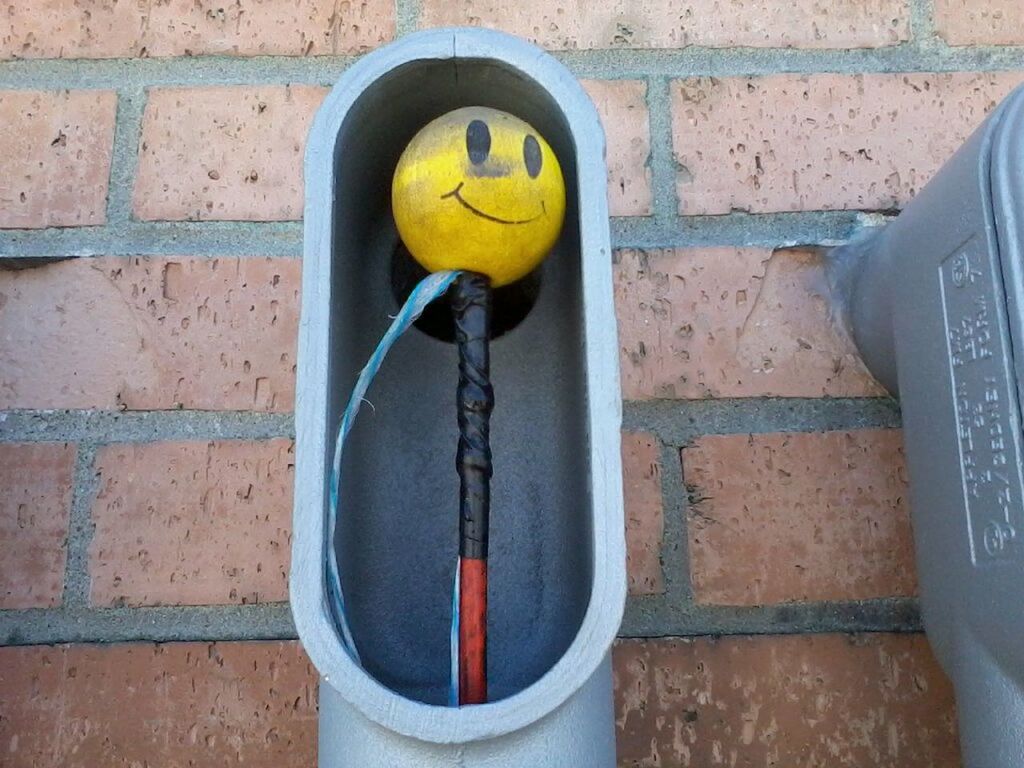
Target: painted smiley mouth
[{"x": 457, "y": 194}]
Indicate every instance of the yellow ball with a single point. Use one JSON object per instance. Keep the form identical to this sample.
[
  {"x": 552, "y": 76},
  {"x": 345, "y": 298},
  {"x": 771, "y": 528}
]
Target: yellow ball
[{"x": 480, "y": 190}]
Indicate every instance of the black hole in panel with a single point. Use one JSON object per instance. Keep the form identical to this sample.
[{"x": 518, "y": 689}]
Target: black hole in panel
[{"x": 512, "y": 303}]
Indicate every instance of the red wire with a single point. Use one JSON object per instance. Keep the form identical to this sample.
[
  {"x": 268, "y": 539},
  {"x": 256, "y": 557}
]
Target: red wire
[{"x": 472, "y": 631}]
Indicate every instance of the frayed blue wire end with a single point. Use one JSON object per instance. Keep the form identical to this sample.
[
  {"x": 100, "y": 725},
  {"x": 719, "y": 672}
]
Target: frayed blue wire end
[{"x": 429, "y": 289}]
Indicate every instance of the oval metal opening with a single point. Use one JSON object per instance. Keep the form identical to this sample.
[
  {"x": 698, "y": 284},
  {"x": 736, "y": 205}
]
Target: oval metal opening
[{"x": 397, "y": 534}]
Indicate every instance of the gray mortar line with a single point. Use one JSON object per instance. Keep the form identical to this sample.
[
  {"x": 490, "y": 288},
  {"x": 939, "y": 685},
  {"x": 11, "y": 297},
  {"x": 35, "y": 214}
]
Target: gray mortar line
[
  {"x": 201, "y": 71},
  {"x": 679, "y": 422},
  {"x": 284, "y": 239},
  {"x": 610, "y": 64},
  {"x": 80, "y": 528},
  {"x": 773, "y": 230},
  {"x": 178, "y": 238},
  {"x": 270, "y": 621},
  {"x": 654, "y": 617},
  {"x": 675, "y": 549},
  {"x": 407, "y": 16},
  {"x": 675, "y": 422},
  {"x": 742, "y": 62},
  {"x": 645, "y": 618},
  {"x": 661, "y": 161},
  {"x": 127, "y": 134},
  {"x": 922, "y": 26},
  {"x": 106, "y": 427}
]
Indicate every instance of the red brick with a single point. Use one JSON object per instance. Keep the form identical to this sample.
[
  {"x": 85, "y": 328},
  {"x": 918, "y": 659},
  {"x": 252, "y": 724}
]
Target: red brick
[
  {"x": 980, "y": 22},
  {"x": 192, "y": 523},
  {"x": 235, "y": 153},
  {"x": 622, "y": 106},
  {"x": 810, "y": 142},
  {"x": 645, "y": 523},
  {"x": 731, "y": 322},
  {"x": 35, "y": 505},
  {"x": 179, "y": 704},
  {"x": 681, "y": 23},
  {"x": 150, "y": 333},
  {"x": 96, "y": 29},
  {"x": 56, "y": 154},
  {"x": 231, "y": 152},
  {"x": 813, "y": 701},
  {"x": 799, "y": 517}
]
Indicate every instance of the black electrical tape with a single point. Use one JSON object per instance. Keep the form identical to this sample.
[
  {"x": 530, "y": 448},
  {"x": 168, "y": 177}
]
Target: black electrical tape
[{"x": 471, "y": 311}]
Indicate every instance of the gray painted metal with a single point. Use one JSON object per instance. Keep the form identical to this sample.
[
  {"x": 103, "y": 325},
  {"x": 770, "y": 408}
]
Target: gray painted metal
[
  {"x": 578, "y": 734},
  {"x": 558, "y": 552},
  {"x": 936, "y": 300}
]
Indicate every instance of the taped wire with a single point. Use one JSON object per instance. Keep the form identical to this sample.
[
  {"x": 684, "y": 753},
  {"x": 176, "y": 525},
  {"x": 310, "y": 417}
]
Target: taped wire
[{"x": 427, "y": 290}]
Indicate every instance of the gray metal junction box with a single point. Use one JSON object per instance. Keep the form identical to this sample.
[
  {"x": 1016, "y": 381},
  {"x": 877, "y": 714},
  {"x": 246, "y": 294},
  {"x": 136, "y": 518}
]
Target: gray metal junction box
[
  {"x": 935, "y": 302},
  {"x": 557, "y": 563}
]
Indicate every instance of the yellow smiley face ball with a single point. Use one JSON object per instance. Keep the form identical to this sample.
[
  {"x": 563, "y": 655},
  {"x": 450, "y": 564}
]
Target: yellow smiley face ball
[{"x": 480, "y": 190}]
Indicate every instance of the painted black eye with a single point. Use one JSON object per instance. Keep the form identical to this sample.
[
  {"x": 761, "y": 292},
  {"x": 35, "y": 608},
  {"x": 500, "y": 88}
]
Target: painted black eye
[
  {"x": 531, "y": 156},
  {"x": 478, "y": 141}
]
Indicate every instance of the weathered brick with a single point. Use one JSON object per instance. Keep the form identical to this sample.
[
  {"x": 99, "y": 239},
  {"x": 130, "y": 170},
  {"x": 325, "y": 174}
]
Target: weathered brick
[
  {"x": 192, "y": 523},
  {"x": 645, "y": 523},
  {"x": 236, "y": 152},
  {"x": 622, "y": 106},
  {"x": 231, "y": 152},
  {"x": 179, "y": 704},
  {"x": 731, "y": 322},
  {"x": 56, "y": 155},
  {"x": 776, "y": 518},
  {"x": 680, "y": 23},
  {"x": 810, "y": 142},
  {"x": 817, "y": 700},
  {"x": 35, "y": 506},
  {"x": 980, "y": 22},
  {"x": 150, "y": 333},
  {"x": 97, "y": 29}
]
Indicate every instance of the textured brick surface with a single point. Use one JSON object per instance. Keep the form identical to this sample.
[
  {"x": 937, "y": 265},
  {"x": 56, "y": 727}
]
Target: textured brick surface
[
  {"x": 224, "y": 153},
  {"x": 235, "y": 153},
  {"x": 873, "y": 701},
  {"x": 809, "y": 142},
  {"x": 56, "y": 157},
  {"x": 767, "y": 519},
  {"x": 150, "y": 333},
  {"x": 192, "y": 523},
  {"x": 679, "y": 23},
  {"x": 798, "y": 517},
  {"x": 86, "y": 29},
  {"x": 645, "y": 523},
  {"x": 623, "y": 109},
  {"x": 180, "y": 704},
  {"x": 980, "y": 22},
  {"x": 35, "y": 505},
  {"x": 731, "y": 322}
]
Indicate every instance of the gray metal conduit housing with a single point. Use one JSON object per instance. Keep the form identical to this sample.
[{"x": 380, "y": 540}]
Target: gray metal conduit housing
[
  {"x": 935, "y": 303},
  {"x": 557, "y": 562}
]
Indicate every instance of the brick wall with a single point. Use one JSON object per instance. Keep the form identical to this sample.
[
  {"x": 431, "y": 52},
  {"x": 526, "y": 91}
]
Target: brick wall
[{"x": 146, "y": 382}]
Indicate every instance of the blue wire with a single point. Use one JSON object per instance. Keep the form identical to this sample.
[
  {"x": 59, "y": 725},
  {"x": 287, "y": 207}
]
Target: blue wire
[
  {"x": 453, "y": 640},
  {"x": 427, "y": 290}
]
